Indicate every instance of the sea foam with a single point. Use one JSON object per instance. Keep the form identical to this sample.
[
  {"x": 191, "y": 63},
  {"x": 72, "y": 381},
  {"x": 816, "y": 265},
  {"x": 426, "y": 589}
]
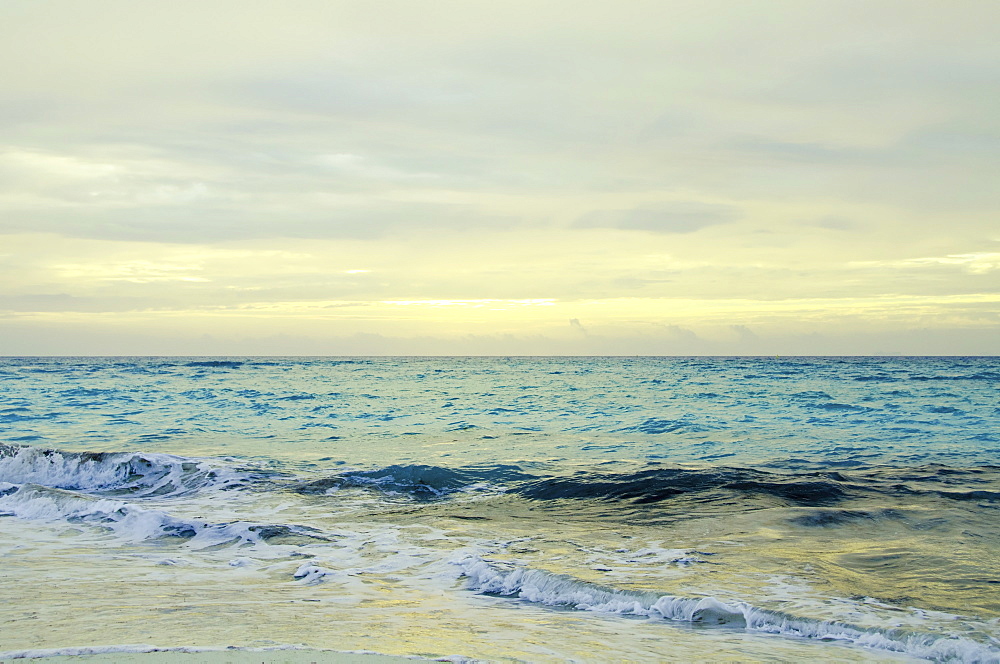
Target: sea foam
[
  {"x": 132, "y": 523},
  {"x": 545, "y": 588},
  {"x": 147, "y": 474}
]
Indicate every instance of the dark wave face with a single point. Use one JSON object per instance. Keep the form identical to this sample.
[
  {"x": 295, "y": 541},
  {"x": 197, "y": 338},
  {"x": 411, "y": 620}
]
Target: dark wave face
[
  {"x": 662, "y": 485},
  {"x": 418, "y": 481},
  {"x": 657, "y": 485}
]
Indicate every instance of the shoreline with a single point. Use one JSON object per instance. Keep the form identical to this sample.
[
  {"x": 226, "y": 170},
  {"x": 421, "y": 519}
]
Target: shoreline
[{"x": 147, "y": 654}]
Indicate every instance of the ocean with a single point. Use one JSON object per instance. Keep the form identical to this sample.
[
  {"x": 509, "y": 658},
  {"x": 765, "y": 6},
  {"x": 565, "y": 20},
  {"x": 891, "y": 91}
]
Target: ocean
[{"x": 503, "y": 509}]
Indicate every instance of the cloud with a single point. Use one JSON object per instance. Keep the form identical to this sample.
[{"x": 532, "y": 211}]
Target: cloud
[
  {"x": 793, "y": 152},
  {"x": 744, "y": 333},
  {"x": 192, "y": 224},
  {"x": 680, "y": 217},
  {"x": 731, "y": 160},
  {"x": 976, "y": 264},
  {"x": 835, "y": 223}
]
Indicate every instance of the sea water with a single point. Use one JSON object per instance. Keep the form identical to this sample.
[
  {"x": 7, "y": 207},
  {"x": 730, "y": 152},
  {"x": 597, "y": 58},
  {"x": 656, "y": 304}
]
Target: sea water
[{"x": 533, "y": 509}]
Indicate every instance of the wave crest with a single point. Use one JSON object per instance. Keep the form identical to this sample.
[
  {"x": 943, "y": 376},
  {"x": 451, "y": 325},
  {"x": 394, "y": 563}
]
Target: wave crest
[
  {"x": 559, "y": 590},
  {"x": 418, "y": 481},
  {"x": 133, "y": 523},
  {"x": 112, "y": 473}
]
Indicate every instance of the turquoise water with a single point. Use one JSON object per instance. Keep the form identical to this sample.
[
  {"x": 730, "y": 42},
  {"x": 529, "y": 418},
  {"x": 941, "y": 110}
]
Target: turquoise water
[{"x": 537, "y": 509}]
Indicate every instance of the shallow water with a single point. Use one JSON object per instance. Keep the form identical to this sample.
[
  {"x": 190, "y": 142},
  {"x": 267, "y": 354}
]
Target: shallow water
[{"x": 541, "y": 509}]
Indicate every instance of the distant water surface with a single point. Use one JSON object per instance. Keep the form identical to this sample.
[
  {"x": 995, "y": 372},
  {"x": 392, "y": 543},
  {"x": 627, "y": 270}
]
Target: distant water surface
[{"x": 537, "y": 509}]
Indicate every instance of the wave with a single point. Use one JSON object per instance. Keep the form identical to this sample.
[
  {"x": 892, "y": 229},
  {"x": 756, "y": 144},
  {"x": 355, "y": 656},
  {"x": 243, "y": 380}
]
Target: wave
[
  {"x": 652, "y": 485},
  {"x": 424, "y": 482},
  {"x": 136, "y": 524},
  {"x": 655, "y": 425},
  {"x": 557, "y": 590},
  {"x": 151, "y": 475},
  {"x": 660, "y": 484},
  {"x": 810, "y": 488},
  {"x": 114, "y": 473},
  {"x": 823, "y": 518},
  {"x": 418, "y": 481}
]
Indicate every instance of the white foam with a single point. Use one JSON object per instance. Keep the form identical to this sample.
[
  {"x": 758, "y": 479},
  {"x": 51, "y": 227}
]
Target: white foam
[
  {"x": 557, "y": 590},
  {"x": 128, "y": 522},
  {"x": 310, "y": 574},
  {"x": 137, "y": 474}
]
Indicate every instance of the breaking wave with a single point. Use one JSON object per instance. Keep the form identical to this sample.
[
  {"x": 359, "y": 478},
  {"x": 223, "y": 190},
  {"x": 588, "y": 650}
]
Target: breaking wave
[
  {"x": 114, "y": 473},
  {"x": 558, "y": 590},
  {"x": 133, "y": 523}
]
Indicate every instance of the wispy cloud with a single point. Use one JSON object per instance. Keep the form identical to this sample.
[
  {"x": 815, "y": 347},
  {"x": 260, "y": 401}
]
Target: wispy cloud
[
  {"x": 979, "y": 263},
  {"x": 672, "y": 217}
]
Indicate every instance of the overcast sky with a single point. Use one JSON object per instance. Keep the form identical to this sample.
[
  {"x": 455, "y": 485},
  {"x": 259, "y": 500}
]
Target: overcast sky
[{"x": 323, "y": 177}]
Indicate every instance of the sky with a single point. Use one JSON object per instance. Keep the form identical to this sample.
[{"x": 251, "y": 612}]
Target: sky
[{"x": 500, "y": 178}]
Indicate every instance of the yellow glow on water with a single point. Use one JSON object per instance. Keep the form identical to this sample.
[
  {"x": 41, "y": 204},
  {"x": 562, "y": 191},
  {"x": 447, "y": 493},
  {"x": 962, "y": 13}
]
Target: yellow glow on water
[{"x": 132, "y": 598}]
